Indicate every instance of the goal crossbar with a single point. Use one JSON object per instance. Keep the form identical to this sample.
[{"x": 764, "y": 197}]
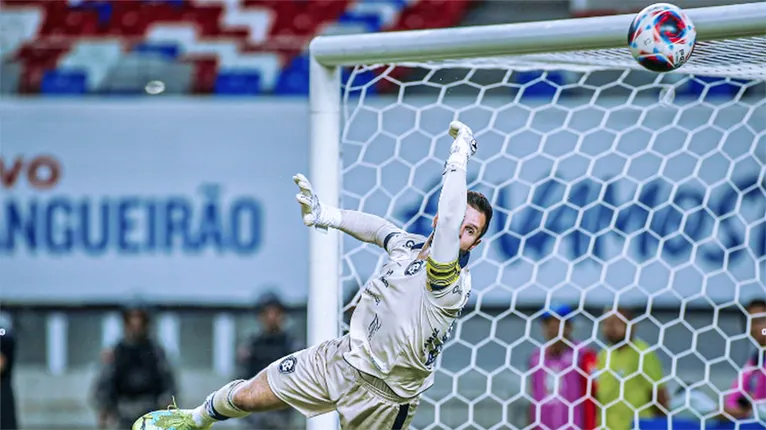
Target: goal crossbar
[{"x": 712, "y": 23}]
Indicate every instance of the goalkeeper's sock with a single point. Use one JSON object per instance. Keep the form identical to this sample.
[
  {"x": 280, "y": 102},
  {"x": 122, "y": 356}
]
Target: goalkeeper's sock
[{"x": 218, "y": 406}]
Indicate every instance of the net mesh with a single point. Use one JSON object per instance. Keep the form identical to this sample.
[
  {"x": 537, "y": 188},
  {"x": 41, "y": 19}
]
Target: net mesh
[
  {"x": 611, "y": 187},
  {"x": 743, "y": 58}
]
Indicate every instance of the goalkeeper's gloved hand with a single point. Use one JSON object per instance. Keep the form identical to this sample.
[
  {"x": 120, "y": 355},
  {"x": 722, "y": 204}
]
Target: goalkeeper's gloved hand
[
  {"x": 315, "y": 214},
  {"x": 463, "y": 147}
]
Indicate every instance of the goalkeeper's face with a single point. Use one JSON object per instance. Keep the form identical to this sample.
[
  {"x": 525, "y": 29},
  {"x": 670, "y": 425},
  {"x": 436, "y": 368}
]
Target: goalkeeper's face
[{"x": 472, "y": 228}]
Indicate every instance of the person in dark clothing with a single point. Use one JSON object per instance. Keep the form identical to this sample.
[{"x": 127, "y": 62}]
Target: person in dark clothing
[
  {"x": 136, "y": 376},
  {"x": 260, "y": 350},
  {"x": 8, "y": 419}
]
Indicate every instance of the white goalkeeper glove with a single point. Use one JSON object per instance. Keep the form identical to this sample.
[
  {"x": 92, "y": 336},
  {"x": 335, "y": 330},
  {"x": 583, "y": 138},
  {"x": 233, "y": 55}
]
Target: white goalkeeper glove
[
  {"x": 315, "y": 214},
  {"x": 463, "y": 147}
]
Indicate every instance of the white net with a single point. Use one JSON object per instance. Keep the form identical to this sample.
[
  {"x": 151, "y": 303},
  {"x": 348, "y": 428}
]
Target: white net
[
  {"x": 611, "y": 186},
  {"x": 741, "y": 58}
]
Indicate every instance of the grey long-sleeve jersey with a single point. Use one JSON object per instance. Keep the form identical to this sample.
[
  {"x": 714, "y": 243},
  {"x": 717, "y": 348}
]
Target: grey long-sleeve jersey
[{"x": 407, "y": 310}]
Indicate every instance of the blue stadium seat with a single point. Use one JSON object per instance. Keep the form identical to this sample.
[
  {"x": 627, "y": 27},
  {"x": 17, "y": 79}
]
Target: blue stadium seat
[
  {"x": 399, "y": 3},
  {"x": 371, "y": 22},
  {"x": 102, "y": 7},
  {"x": 543, "y": 88},
  {"x": 176, "y": 3},
  {"x": 11, "y": 76},
  {"x": 238, "y": 83},
  {"x": 64, "y": 82},
  {"x": 294, "y": 79},
  {"x": 169, "y": 51},
  {"x": 361, "y": 80}
]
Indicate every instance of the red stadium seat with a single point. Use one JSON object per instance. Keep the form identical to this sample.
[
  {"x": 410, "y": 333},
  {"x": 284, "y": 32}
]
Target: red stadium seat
[{"x": 36, "y": 59}]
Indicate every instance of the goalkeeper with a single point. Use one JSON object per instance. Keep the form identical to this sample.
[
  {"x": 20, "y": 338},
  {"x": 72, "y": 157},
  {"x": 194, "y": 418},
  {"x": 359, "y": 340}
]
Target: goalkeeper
[{"x": 374, "y": 375}]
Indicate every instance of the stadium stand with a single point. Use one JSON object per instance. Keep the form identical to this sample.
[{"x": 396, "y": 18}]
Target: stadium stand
[{"x": 228, "y": 47}]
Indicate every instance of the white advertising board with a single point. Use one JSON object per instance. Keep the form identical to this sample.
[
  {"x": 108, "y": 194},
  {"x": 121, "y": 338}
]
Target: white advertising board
[{"x": 185, "y": 201}]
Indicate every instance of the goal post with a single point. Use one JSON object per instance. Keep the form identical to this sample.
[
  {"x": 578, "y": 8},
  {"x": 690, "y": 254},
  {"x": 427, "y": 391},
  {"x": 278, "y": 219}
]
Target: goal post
[{"x": 562, "y": 232}]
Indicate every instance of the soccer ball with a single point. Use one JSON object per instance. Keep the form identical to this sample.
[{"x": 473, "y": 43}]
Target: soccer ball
[{"x": 662, "y": 37}]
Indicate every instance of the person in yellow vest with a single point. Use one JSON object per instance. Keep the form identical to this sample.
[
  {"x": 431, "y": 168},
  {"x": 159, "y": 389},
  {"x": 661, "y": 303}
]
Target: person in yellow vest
[{"x": 629, "y": 376}]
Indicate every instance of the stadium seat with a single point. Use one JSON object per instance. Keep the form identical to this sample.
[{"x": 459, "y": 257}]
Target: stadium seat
[
  {"x": 36, "y": 59},
  {"x": 205, "y": 72},
  {"x": 539, "y": 87},
  {"x": 174, "y": 3},
  {"x": 257, "y": 22},
  {"x": 369, "y": 22},
  {"x": 102, "y": 8},
  {"x": 131, "y": 75},
  {"x": 19, "y": 26},
  {"x": 361, "y": 80},
  {"x": 94, "y": 57},
  {"x": 178, "y": 34},
  {"x": 61, "y": 19},
  {"x": 238, "y": 83},
  {"x": 11, "y": 75},
  {"x": 387, "y": 12},
  {"x": 267, "y": 64},
  {"x": 64, "y": 82},
  {"x": 293, "y": 79},
  {"x": 169, "y": 51}
]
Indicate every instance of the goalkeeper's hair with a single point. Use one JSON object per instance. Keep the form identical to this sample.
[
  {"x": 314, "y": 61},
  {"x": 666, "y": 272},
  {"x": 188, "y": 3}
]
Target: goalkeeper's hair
[{"x": 479, "y": 202}]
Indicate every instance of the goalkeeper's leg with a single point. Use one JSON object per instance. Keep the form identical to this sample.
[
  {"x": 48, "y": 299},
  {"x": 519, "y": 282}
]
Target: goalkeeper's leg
[
  {"x": 298, "y": 380},
  {"x": 237, "y": 399}
]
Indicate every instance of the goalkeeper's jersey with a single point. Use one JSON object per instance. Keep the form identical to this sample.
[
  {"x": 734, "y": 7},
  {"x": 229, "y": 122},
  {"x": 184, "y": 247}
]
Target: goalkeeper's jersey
[{"x": 401, "y": 322}]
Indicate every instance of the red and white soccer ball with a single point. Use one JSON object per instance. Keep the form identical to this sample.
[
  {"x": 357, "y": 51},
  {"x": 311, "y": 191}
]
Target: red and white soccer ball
[{"x": 662, "y": 37}]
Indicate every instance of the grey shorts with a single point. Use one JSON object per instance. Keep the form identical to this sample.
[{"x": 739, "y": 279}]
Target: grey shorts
[{"x": 318, "y": 380}]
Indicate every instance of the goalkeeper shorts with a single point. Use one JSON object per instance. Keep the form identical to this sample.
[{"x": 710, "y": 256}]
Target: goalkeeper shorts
[{"x": 317, "y": 380}]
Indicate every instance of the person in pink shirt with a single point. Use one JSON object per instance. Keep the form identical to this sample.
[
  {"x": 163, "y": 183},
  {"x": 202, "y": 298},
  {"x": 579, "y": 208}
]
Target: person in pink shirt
[
  {"x": 750, "y": 386},
  {"x": 562, "y": 389}
]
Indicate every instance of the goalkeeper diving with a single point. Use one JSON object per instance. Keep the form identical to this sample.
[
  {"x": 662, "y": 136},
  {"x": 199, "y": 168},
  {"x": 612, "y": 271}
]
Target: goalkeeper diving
[{"x": 374, "y": 375}]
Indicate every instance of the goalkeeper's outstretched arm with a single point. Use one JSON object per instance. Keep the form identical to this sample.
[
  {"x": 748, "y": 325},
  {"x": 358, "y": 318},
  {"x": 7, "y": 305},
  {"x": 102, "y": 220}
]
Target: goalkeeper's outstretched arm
[
  {"x": 366, "y": 227},
  {"x": 443, "y": 262},
  {"x": 362, "y": 226}
]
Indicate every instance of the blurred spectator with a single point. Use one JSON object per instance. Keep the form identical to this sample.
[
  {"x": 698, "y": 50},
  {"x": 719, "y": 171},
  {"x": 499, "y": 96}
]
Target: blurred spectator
[
  {"x": 270, "y": 344},
  {"x": 562, "y": 398},
  {"x": 629, "y": 374},
  {"x": 136, "y": 377},
  {"x": 7, "y": 361},
  {"x": 750, "y": 386}
]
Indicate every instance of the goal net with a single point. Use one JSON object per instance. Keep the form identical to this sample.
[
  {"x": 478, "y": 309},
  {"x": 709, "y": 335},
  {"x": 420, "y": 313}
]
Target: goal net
[{"x": 612, "y": 186}]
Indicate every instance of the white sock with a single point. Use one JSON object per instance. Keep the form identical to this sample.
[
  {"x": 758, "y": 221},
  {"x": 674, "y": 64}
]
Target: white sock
[
  {"x": 218, "y": 406},
  {"x": 201, "y": 417}
]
